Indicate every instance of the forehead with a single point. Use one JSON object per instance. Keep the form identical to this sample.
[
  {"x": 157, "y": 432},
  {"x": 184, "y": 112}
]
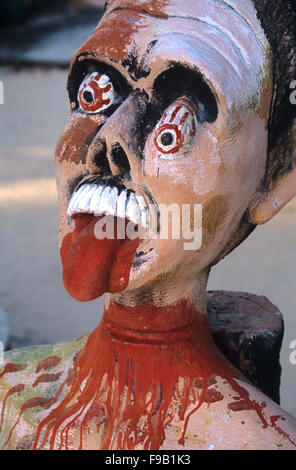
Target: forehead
[
  {"x": 195, "y": 9},
  {"x": 222, "y": 39}
]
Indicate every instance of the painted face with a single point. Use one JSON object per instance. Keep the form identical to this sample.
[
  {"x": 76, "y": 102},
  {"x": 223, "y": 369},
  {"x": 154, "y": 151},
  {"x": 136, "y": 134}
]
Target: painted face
[{"x": 169, "y": 106}]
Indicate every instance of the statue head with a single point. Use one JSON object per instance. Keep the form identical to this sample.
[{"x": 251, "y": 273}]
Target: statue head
[{"x": 184, "y": 103}]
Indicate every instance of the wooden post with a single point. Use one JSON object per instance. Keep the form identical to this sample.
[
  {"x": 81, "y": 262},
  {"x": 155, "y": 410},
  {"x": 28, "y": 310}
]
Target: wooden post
[{"x": 249, "y": 330}]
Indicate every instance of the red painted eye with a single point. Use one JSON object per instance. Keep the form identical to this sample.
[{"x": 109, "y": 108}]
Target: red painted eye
[
  {"x": 96, "y": 93},
  {"x": 169, "y": 139},
  {"x": 175, "y": 130}
]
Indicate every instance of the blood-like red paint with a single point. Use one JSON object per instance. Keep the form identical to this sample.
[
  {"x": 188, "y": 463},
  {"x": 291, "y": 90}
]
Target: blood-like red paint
[
  {"x": 13, "y": 390},
  {"x": 274, "y": 420},
  {"x": 48, "y": 363},
  {"x": 45, "y": 378},
  {"x": 239, "y": 406},
  {"x": 11, "y": 367},
  {"x": 91, "y": 266},
  {"x": 131, "y": 382},
  {"x": 141, "y": 369}
]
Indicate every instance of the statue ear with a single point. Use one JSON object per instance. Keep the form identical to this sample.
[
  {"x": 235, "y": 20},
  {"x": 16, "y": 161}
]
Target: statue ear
[
  {"x": 274, "y": 200},
  {"x": 281, "y": 191}
]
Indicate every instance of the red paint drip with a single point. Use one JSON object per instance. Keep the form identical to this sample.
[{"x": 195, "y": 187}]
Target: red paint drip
[
  {"x": 134, "y": 382},
  {"x": 274, "y": 420},
  {"x": 48, "y": 363},
  {"x": 139, "y": 370},
  {"x": 92, "y": 267},
  {"x": 16, "y": 389},
  {"x": 239, "y": 406},
  {"x": 11, "y": 367},
  {"x": 45, "y": 378},
  {"x": 43, "y": 402}
]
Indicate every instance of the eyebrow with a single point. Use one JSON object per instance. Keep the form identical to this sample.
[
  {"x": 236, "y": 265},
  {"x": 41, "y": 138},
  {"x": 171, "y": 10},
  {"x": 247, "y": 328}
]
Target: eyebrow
[{"x": 137, "y": 68}]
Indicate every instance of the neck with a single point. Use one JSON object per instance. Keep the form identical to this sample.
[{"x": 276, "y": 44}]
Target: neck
[
  {"x": 148, "y": 364},
  {"x": 151, "y": 316},
  {"x": 148, "y": 323}
]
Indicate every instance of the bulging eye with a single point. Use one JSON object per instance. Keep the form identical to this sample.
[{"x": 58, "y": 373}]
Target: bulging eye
[
  {"x": 96, "y": 93},
  {"x": 176, "y": 129}
]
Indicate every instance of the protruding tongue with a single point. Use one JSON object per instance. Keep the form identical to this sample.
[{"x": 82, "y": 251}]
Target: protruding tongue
[{"x": 92, "y": 267}]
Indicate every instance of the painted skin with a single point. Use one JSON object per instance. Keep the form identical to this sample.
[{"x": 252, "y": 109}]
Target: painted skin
[{"x": 208, "y": 405}]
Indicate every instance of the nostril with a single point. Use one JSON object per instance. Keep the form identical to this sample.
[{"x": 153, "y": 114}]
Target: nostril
[
  {"x": 99, "y": 160},
  {"x": 120, "y": 159}
]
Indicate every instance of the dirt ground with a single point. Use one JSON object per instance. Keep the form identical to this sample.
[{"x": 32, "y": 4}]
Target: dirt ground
[{"x": 31, "y": 292}]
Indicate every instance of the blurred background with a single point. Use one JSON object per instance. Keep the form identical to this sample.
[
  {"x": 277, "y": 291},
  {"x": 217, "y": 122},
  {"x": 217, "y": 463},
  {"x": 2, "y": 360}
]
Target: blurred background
[{"x": 37, "y": 40}]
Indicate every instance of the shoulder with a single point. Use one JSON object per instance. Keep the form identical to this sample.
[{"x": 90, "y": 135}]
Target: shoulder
[
  {"x": 249, "y": 421},
  {"x": 29, "y": 379}
]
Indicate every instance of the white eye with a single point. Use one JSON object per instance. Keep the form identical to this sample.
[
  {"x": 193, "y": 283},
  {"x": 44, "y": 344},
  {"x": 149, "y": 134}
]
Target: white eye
[
  {"x": 96, "y": 93},
  {"x": 175, "y": 130}
]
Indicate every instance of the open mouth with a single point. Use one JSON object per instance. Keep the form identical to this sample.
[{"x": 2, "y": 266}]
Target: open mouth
[
  {"x": 104, "y": 199},
  {"x": 94, "y": 265}
]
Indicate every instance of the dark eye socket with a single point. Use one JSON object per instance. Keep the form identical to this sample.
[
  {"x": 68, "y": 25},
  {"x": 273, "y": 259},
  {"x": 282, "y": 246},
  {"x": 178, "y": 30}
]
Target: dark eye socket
[
  {"x": 84, "y": 67},
  {"x": 180, "y": 80}
]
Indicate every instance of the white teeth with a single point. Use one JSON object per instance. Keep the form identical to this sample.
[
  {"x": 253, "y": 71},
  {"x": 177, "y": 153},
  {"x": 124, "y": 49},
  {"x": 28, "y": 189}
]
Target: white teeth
[
  {"x": 75, "y": 199},
  {"x": 106, "y": 200},
  {"x": 113, "y": 201},
  {"x": 95, "y": 199},
  {"x": 143, "y": 211},
  {"x": 107, "y": 203},
  {"x": 103, "y": 205},
  {"x": 84, "y": 199},
  {"x": 132, "y": 209},
  {"x": 121, "y": 203}
]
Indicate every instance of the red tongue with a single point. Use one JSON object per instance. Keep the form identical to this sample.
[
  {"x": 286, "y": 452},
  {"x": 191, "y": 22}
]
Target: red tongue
[{"x": 92, "y": 267}]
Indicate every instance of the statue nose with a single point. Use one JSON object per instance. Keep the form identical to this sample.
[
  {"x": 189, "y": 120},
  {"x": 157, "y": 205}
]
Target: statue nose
[
  {"x": 108, "y": 158},
  {"x": 115, "y": 150}
]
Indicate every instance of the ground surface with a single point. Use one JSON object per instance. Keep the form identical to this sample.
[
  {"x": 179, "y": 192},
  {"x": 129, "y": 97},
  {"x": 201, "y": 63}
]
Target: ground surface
[{"x": 31, "y": 292}]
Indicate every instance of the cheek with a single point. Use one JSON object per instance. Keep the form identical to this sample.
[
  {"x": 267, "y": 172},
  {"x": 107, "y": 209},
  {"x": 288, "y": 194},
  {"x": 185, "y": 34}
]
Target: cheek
[
  {"x": 192, "y": 175},
  {"x": 208, "y": 163},
  {"x": 70, "y": 160},
  {"x": 76, "y": 138},
  {"x": 245, "y": 157},
  {"x": 215, "y": 216}
]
